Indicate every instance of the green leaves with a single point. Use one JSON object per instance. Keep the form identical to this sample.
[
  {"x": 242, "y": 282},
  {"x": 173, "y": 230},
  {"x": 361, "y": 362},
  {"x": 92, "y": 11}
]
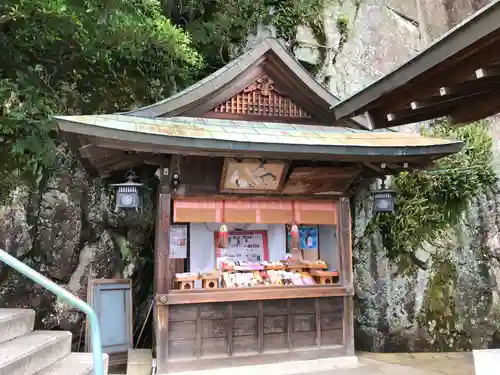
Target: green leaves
[
  {"x": 220, "y": 27},
  {"x": 430, "y": 202},
  {"x": 81, "y": 57}
]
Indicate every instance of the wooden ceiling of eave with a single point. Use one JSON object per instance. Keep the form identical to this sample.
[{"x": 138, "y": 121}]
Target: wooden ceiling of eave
[
  {"x": 103, "y": 157},
  {"x": 439, "y": 91},
  {"x": 368, "y": 158},
  {"x": 465, "y": 101},
  {"x": 103, "y": 162},
  {"x": 319, "y": 180}
]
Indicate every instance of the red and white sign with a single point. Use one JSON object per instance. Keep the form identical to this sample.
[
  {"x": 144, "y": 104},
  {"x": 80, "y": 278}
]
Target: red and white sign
[{"x": 244, "y": 246}]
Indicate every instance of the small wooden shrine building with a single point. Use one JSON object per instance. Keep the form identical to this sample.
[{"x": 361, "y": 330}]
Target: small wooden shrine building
[{"x": 254, "y": 146}]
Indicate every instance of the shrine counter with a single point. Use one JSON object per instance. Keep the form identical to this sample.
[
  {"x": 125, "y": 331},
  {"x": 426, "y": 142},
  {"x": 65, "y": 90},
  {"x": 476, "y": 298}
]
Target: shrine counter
[
  {"x": 179, "y": 297},
  {"x": 224, "y": 328}
]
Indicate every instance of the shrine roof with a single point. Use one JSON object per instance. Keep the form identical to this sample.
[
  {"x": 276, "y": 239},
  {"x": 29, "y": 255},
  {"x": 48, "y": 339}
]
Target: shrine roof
[
  {"x": 266, "y": 56},
  {"x": 220, "y": 137}
]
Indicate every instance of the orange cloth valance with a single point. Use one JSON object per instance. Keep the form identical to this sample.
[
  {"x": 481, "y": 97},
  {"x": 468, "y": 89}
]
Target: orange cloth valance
[{"x": 255, "y": 211}]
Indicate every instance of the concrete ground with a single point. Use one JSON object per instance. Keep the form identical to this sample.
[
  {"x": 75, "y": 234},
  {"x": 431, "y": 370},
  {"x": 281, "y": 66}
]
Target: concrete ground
[
  {"x": 410, "y": 364},
  {"x": 406, "y": 364}
]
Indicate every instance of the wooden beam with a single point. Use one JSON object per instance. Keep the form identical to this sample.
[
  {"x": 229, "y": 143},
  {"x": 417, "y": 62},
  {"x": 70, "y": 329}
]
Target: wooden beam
[
  {"x": 482, "y": 82},
  {"x": 154, "y": 159},
  {"x": 371, "y": 120},
  {"x": 87, "y": 151},
  {"x": 107, "y": 160},
  {"x": 461, "y": 66},
  {"x": 186, "y": 297},
  {"x": 376, "y": 120},
  {"x": 493, "y": 70},
  {"x": 345, "y": 242},
  {"x": 162, "y": 244},
  {"x": 476, "y": 109},
  {"x": 374, "y": 168},
  {"x": 348, "y": 326},
  {"x": 162, "y": 276},
  {"x": 161, "y": 327},
  {"x": 119, "y": 162},
  {"x": 437, "y": 107}
]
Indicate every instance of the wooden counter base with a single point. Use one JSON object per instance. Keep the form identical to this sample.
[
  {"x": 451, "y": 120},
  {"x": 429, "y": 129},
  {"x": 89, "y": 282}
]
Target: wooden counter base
[
  {"x": 202, "y": 334},
  {"x": 179, "y": 297}
]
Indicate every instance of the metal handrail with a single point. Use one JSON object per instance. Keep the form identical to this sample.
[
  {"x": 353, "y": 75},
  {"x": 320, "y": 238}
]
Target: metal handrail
[{"x": 67, "y": 297}]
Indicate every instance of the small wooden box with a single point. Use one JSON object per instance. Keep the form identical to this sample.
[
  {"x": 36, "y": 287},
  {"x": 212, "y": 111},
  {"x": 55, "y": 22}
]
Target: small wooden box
[
  {"x": 210, "y": 280},
  {"x": 210, "y": 283},
  {"x": 324, "y": 277},
  {"x": 186, "y": 282}
]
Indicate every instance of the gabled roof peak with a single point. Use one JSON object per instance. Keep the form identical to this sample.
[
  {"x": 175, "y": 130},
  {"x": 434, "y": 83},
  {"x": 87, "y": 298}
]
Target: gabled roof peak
[
  {"x": 264, "y": 32},
  {"x": 266, "y": 54}
]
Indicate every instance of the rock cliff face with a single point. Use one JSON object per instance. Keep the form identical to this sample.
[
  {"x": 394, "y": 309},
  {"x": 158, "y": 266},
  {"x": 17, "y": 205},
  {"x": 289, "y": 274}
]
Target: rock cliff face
[
  {"x": 66, "y": 226},
  {"x": 454, "y": 303},
  {"x": 67, "y": 229}
]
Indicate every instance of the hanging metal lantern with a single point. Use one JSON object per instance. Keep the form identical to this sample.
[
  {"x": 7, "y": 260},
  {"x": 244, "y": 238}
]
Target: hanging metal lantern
[
  {"x": 383, "y": 199},
  {"x": 127, "y": 193}
]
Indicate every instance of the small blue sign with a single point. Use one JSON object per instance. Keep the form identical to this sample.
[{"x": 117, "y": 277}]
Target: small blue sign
[{"x": 308, "y": 238}]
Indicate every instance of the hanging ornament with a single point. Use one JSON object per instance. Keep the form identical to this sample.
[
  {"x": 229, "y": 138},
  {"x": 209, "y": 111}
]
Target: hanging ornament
[
  {"x": 223, "y": 237},
  {"x": 223, "y": 232},
  {"x": 294, "y": 232}
]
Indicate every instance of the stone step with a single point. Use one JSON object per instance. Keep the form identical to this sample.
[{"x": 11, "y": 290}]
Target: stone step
[
  {"x": 74, "y": 364},
  {"x": 31, "y": 353},
  {"x": 139, "y": 361},
  {"x": 15, "y": 323}
]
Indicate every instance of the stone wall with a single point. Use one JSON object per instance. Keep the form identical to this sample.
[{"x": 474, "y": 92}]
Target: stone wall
[{"x": 381, "y": 36}]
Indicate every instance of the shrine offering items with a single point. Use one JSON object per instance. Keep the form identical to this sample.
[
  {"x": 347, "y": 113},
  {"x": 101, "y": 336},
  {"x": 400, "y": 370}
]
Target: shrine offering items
[
  {"x": 235, "y": 274},
  {"x": 265, "y": 278}
]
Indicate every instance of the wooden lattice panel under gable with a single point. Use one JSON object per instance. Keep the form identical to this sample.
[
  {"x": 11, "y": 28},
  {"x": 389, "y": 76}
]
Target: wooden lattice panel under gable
[{"x": 262, "y": 99}]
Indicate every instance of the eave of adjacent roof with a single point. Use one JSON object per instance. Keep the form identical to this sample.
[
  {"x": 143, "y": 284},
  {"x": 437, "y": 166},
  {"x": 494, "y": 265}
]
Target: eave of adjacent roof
[{"x": 472, "y": 30}]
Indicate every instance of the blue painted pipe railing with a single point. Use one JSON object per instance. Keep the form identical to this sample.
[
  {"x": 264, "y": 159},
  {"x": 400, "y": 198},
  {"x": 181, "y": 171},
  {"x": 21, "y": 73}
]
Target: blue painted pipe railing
[{"x": 67, "y": 297}]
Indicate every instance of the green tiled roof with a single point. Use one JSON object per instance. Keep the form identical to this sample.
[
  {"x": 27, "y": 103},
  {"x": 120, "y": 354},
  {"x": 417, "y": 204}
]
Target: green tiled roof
[{"x": 250, "y": 132}]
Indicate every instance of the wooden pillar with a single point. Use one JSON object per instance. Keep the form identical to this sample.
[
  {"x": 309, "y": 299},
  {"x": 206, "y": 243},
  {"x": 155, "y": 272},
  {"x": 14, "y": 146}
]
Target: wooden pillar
[
  {"x": 162, "y": 244},
  {"x": 345, "y": 241},
  {"x": 346, "y": 275},
  {"x": 162, "y": 267}
]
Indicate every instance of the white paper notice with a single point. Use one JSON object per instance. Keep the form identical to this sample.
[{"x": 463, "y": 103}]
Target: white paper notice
[
  {"x": 178, "y": 241},
  {"x": 245, "y": 247}
]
